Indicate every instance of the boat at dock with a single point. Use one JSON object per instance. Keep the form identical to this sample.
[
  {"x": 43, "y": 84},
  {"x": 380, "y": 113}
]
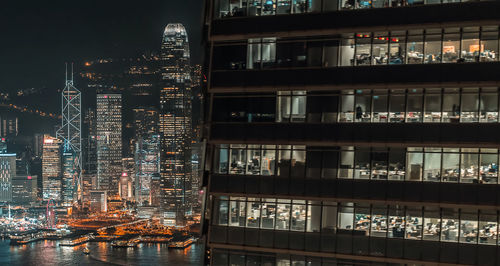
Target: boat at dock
[
  {"x": 181, "y": 244},
  {"x": 125, "y": 243}
]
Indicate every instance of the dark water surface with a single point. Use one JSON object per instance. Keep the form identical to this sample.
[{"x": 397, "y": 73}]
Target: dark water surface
[{"x": 101, "y": 253}]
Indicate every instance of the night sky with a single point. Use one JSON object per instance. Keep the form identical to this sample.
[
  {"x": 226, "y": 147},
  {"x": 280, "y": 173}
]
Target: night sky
[{"x": 39, "y": 36}]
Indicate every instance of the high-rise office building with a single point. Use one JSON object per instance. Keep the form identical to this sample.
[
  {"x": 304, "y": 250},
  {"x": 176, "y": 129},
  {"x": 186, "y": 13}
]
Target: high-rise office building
[
  {"x": 90, "y": 142},
  {"x": 175, "y": 126},
  {"x": 147, "y": 164},
  {"x": 126, "y": 188},
  {"x": 24, "y": 189},
  {"x": 7, "y": 173},
  {"x": 98, "y": 201},
  {"x": 51, "y": 168},
  {"x": 9, "y": 126},
  {"x": 70, "y": 133},
  {"x": 353, "y": 132},
  {"x": 109, "y": 142}
]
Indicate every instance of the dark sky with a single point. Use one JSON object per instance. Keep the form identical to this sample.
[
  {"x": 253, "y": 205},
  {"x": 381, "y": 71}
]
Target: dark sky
[{"x": 38, "y": 36}]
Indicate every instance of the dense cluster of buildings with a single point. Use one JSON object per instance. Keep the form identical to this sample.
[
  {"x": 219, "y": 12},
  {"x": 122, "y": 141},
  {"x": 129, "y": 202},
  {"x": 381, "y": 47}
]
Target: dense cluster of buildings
[{"x": 131, "y": 146}]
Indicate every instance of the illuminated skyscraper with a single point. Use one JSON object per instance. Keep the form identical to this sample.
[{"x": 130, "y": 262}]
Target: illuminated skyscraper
[
  {"x": 70, "y": 134},
  {"x": 175, "y": 126},
  {"x": 7, "y": 172},
  {"x": 51, "y": 168},
  {"x": 109, "y": 142},
  {"x": 147, "y": 164}
]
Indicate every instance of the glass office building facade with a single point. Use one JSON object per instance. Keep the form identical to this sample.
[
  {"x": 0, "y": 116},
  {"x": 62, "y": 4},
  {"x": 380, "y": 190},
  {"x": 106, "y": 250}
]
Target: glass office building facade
[{"x": 352, "y": 132}]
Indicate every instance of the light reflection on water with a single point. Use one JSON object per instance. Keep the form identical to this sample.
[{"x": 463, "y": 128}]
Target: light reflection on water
[{"x": 101, "y": 253}]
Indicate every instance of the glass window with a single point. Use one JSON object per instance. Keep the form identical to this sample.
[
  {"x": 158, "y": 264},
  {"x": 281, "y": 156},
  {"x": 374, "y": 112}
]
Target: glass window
[
  {"x": 313, "y": 218},
  {"x": 298, "y": 112},
  {"x": 469, "y": 226},
  {"x": 314, "y": 54},
  {"x": 432, "y": 223},
  {"x": 363, "y": 49},
  {"x": 330, "y": 5},
  {"x": 362, "y": 219},
  {"x": 414, "y": 166},
  {"x": 380, "y": 108},
  {"x": 346, "y": 216},
  {"x": 432, "y": 166},
  {"x": 254, "y": 53},
  {"x": 283, "y": 7},
  {"x": 413, "y": 223},
  {"x": 330, "y": 53},
  {"x": 221, "y": 211},
  {"x": 283, "y": 215},
  {"x": 298, "y": 222},
  {"x": 346, "y": 164},
  {"x": 451, "y": 167},
  {"x": 253, "y": 165},
  {"x": 397, "y": 108},
  {"x": 470, "y": 47},
  {"x": 415, "y": 106},
  {"x": 268, "y": 52},
  {"x": 347, "y": 4},
  {"x": 397, "y": 164},
  {"x": 396, "y": 222},
  {"x": 415, "y": 49},
  {"x": 489, "y": 107},
  {"x": 363, "y": 107},
  {"x": 313, "y": 164},
  {"x": 488, "y": 227},
  {"x": 362, "y": 164},
  {"x": 449, "y": 225},
  {"x": 470, "y": 108},
  {"x": 221, "y": 159},
  {"x": 379, "y": 221},
  {"x": 380, "y": 49},
  {"x": 397, "y": 50},
  {"x": 451, "y": 107},
  {"x": 284, "y": 160},
  {"x": 268, "y": 162},
  {"x": 451, "y": 48},
  {"x": 489, "y": 46},
  {"x": 432, "y": 48},
  {"x": 253, "y": 213},
  {"x": 347, "y": 108},
  {"x": 238, "y": 159},
  {"x": 347, "y": 52},
  {"x": 254, "y": 7},
  {"x": 379, "y": 164},
  {"x": 470, "y": 170},
  {"x": 268, "y": 213},
  {"x": 299, "y": 6},
  {"x": 298, "y": 161},
  {"x": 268, "y": 7},
  {"x": 432, "y": 113},
  {"x": 488, "y": 168},
  {"x": 330, "y": 164},
  {"x": 237, "y": 213},
  {"x": 329, "y": 219}
]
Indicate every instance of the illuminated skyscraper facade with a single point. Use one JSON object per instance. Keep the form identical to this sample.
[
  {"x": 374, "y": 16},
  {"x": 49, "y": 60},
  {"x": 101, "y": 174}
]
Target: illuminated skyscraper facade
[
  {"x": 147, "y": 164},
  {"x": 7, "y": 172},
  {"x": 70, "y": 134},
  {"x": 51, "y": 168},
  {"x": 175, "y": 126},
  {"x": 109, "y": 142}
]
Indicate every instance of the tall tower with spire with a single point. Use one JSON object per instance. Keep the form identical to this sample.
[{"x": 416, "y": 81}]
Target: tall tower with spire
[
  {"x": 175, "y": 126},
  {"x": 71, "y": 135}
]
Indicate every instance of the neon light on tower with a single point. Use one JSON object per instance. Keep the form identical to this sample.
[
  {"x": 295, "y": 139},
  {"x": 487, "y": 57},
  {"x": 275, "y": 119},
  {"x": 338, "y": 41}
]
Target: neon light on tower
[{"x": 71, "y": 135}]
